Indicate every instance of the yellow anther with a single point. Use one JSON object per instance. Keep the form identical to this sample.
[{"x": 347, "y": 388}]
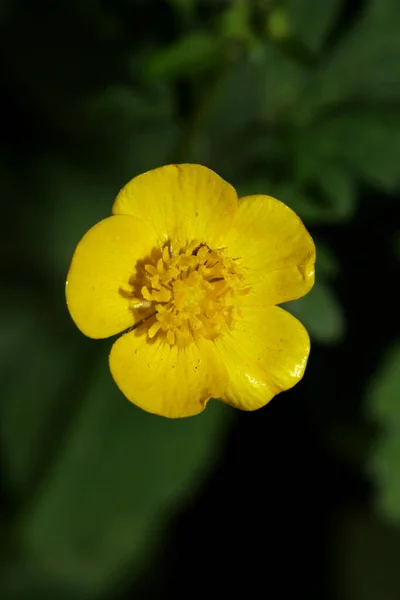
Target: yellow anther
[
  {"x": 165, "y": 254},
  {"x": 153, "y": 329},
  {"x": 151, "y": 269},
  {"x": 146, "y": 294},
  {"x": 161, "y": 295},
  {"x": 193, "y": 293}
]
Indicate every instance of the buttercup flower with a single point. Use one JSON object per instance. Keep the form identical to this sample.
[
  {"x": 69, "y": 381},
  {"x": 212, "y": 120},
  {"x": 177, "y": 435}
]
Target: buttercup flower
[{"x": 193, "y": 275}]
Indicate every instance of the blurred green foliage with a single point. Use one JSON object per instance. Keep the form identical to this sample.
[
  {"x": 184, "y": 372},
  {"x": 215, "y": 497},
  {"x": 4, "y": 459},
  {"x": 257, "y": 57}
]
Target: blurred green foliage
[
  {"x": 383, "y": 402},
  {"x": 294, "y": 98}
]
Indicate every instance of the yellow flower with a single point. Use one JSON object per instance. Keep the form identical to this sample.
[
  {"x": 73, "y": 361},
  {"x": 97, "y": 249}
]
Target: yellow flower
[{"x": 194, "y": 276}]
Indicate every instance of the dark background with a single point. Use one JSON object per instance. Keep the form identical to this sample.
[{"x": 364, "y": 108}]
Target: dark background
[{"x": 294, "y": 98}]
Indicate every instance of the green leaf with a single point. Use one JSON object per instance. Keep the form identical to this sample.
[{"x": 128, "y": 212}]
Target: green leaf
[
  {"x": 321, "y": 313},
  {"x": 284, "y": 81},
  {"x": 223, "y": 113},
  {"x": 364, "y": 557},
  {"x": 235, "y": 21},
  {"x": 331, "y": 208},
  {"x": 321, "y": 171},
  {"x": 327, "y": 263},
  {"x": 307, "y": 209},
  {"x": 339, "y": 190},
  {"x": 118, "y": 109},
  {"x": 270, "y": 87},
  {"x": 384, "y": 389},
  {"x": 311, "y": 21},
  {"x": 146, "y": 149},
  {"x": 366, "y": 64},
  {"x": 278, "y": 26},
  {"x": 38, "y": 372},
  {"x": 321, "y": 191},
  {"x": 83, "y": 199},
  {"x": 384, "y": 408},
  {"x": 189, "y": 55},
  {"x": 22, "y": 582},
  {"x": 120, "y": 473},
  {"x": 367, "y": 142},
  {"x": 85, "y": 191}
]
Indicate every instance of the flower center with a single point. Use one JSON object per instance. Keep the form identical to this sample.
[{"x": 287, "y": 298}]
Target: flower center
[{"x": 191, "y": 294}]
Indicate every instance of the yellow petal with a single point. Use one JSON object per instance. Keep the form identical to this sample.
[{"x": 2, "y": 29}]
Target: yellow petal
[
  {"x": 181, "y": 203},
  {"x": 97, "y": 288},
  {"x": 166, "y": 380},
  {"x": 275, "y": 249},
  {"x": 265, "y": 353}
]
